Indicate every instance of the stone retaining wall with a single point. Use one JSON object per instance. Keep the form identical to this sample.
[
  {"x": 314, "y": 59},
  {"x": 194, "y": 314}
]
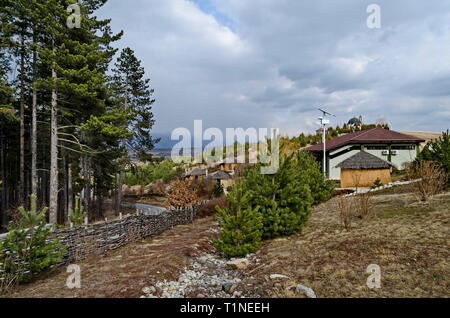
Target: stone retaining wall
[{"x": 94, "y": 239}]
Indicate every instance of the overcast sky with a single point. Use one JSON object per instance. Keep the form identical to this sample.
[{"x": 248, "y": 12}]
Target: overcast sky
[{"x": 270, "y": 63}]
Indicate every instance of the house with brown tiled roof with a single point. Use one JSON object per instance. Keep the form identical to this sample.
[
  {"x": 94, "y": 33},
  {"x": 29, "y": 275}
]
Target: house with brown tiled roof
[{"x": 394, "y": 147}]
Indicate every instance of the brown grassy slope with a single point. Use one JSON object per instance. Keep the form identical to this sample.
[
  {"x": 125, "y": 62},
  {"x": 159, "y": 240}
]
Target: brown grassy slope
[
  {"x": 125, "y": 271},
  {"x": 409, "y": 240}
]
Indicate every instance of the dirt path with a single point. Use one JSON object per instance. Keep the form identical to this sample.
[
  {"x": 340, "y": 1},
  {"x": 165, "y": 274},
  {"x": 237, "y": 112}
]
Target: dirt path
[{"x": 125, "y": 271}]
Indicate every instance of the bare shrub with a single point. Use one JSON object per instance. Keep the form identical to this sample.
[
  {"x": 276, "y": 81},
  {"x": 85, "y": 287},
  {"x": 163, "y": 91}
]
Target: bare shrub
[
  {"x": 432, "y": 177},
  {"x": 357, "y": 181},
  {"x": 157, "y": 188},
  {"x": 204, "y": 187},
  {"x": 209, "y": 208},
  {"x": 363, "y": 205},
  {"x": 182, "y": 194},
  {"x": 345, "y": 206},
  {"x": 353, "y": 207}
]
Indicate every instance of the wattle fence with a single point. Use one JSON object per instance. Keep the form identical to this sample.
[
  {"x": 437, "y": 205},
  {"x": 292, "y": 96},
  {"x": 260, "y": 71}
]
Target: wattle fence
[{"x": 93, "y": 239}]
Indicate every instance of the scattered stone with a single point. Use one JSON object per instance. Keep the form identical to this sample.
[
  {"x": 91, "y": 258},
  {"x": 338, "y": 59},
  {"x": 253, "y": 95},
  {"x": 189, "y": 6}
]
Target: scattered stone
[
  {"x": 306, "y": 290},
  {"x": 278, "y": 277},
  {"x": 206, "y": 276},
  {"x": 149, "y": 290},
  {"x": 227, "y": 287},
  {"x": 239, "y": 263}
]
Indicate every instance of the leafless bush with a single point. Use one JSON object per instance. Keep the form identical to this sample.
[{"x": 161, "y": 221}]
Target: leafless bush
[
  {"x": 353, "y": 207},
  {"x": 204, "y": 188},
  {"x": 357, "y": 181},
  {"x": 363, "y": 205},
  {"x": 209, "y": 209},
  {"x": 345, "y": 206},
  {"x": 432, "y": 179}
]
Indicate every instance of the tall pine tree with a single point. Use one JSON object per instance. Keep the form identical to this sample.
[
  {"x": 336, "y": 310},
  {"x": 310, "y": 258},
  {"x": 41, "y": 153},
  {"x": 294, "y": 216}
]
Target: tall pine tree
[{"x": 132, "y": 90}]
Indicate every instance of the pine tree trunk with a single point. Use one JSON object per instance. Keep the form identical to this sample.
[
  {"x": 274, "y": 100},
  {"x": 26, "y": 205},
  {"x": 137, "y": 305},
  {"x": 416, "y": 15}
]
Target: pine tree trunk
[
  {"x": 119, "y": 193},
  {"x": 63, "y": 202},
  {"x": 86, "y": 195},
  {"x": 53, "y": 206},
  {"x": 69, "y": 191},
  {"x": 22, "y": 124},
  {"x": 3, "y": 219},
  {"x": 34, "y": 176},
  {"x": 122, "y": 175}
]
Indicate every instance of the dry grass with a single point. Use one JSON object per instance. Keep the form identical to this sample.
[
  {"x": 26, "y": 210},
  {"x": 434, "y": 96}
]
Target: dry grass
[
  {"x": 351, "y": 208},
  {"x": 125, "y": 271},
  {"x": 364, "y": 205},
  {"x": 8, "y": 281},
  {"x": 433, "y": 179},
  {"x": 344, "y": 207},
  {"x": 408, "y": 239}
]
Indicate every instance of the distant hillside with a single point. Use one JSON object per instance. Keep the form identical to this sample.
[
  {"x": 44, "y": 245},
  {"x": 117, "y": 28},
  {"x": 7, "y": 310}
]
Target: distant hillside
[{"x": 424, "y": 135}]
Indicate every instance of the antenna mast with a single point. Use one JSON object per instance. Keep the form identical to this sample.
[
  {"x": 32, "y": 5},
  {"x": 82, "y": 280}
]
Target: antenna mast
[{"x": 324, "y": 122}]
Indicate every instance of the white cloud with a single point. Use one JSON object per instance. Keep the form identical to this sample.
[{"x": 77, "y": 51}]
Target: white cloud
[{"x": 282, "y": 59}]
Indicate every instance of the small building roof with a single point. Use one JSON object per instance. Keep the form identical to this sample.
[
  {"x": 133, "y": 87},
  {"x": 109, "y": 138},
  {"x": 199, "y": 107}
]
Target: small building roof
[
  {"x": 219, "y": 175},
  {"x": 374, "y": 135},
  {"x": 195, "y": 172},
  {"x": 364, "y": 160}
]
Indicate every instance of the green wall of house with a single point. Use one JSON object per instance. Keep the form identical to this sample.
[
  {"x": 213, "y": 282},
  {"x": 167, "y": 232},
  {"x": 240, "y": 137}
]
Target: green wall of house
[{"x": 398, "y": 154}]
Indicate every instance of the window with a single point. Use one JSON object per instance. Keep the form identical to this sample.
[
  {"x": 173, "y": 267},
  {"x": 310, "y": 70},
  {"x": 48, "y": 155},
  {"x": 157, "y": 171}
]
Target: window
[
  {"x": 411, "y": 147},
  {"x": 377, "y": 148}
]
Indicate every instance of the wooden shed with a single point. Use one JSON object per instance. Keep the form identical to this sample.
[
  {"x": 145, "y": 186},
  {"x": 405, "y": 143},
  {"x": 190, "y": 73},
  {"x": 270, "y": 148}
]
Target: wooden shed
[
  {"x": 195, "y": 174},
  {"x": 362, "y": 169},
  {"x": 222, "y": 178}
]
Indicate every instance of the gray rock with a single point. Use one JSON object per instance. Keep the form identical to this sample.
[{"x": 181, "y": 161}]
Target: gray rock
[
  {"x": 149, "y": 290},
  {"x": 237, "y": 294},
  {"x": 278, "y": 277},
  {"x": 306, "y": 290},
  {"x": 239, "y": 263},
  {"x": 228, "y": 287}
]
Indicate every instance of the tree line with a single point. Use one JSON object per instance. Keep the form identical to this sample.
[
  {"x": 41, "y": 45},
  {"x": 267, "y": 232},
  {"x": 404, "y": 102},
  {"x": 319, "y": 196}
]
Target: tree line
[{"x": 70, "y": 112}]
